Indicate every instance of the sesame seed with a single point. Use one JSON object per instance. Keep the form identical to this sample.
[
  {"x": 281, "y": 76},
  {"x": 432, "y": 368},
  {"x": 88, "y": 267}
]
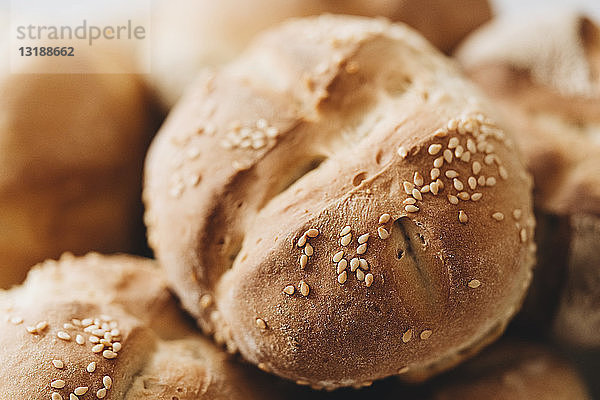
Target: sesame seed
[
  {"x": 462, "y": 217},
  {"x": 517, "y": 213},
  {"x": 489, "y": 159},
  {"x": 98, "y": 332},
  {"x": 451, "y": 174},
  {"x": 411, "y": 208},
  {"x": 458, "y": 152},
  {"x": 464, "y": 196},
  {"x": 452, "y": 124},
  {"x": 345, "y": 240},
  {"x": 434, "y": 173},
  {"x": 425, "y": 189},
  {"x": 58, "y": 384},
  {"x": 260, "y": 323},
  {"x": 440, "y": 133},
  {"x": 448, "y": 156},
  {"x": 418, "y": 179},
  {"x": 363, "y": 264},
  {"x": 354, "y": 263},
  {"x": 402, "y": 152},
  {"x": 116, "y": 347},
  {"x": 68, "y": 326},
  {"x": 503, "y": 173},
  {"x": 498, "y": 216},
  {"x": 471, "y": 146},
  {"x": 383, "y": 233},
  {"x": 407, "y": 336},
  {"x": 345, "y": 230},
  {"x": 481, "y": 180},
  {"x": 312, "y": 233},
  {"x": 458, "y": 185},
  {"x": 476, "y": 196},
  {"x": 426, "y": 334},
  {"x": 341, "y": 265},
  {"x": 417, "y": 194},
  {"x": 16, "y": 320},
  {"x": 476, "y": 167},
  {"x": 523, "y": 235},
  {"x": 384, "y": 218},
  {"x": 302, "y": 241},
  {"x": 58, "y": 364},
  {"x": 63, "y": 335},
  {"x": 81, "y": 390},
  {"x": 303, "y": 261},
  {"x": 31, "y": 329},
  {"x": 363, "y": 247},
  {"x": 97, "y": 348},
  {"x": 433, "y": 186},
  {"x": 434, "y": 149},
  {"x": 472, "y": 182},
  {"x": 363, "y": 238},
  {"x": 79, "y": 339},
  {"x": 91, "y": 367},
  {"x": 438, "y": 162},
  {"x": 491, "y": 181},
  {"x": 94, "y": 339},
  {"x": 452, "y": 199},
  {"x": 304, "y": 288},
  {"x": 342, "y": 277},
  {"x": 205, "y": 302},
  {"x": 465, "y": 157},
  {"x": 360, "y": 275},
  {"x": 402, "y": 370},
  {"x": 308, "y": 250},
  {"x": 108, "y": 354},
  {"x": 101, "y": 393},
  {"x": 87, "y": 322},
  {"x": 474, "y": 283},
  {"x": 408, "y": 187},
  {"x": 56, "y": 396},
  {"x": 338, "y": 256},
  {"x": 369, "y": 280},
  {"x": 289, "y": 289},
  {"x": 453, "y": 142},
  {"x": 409, "y": 200}
]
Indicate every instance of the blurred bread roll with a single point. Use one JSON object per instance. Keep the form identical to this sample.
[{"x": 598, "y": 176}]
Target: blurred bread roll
[
  {"x": 191, "y": 34},
  {"x": 71, "y": 155},
  {"x": 107, "y": 327},
  {"x": 544, "y": 73}
]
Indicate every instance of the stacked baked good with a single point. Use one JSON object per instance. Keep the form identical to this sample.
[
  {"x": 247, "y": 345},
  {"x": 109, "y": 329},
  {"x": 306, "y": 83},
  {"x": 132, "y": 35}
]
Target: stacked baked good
[
  {"x": 548, "y": 84},
  {"x": 339, "y": 205},
  {"x": 71, "y": 155},
  {"x": 191, "y": 34}
]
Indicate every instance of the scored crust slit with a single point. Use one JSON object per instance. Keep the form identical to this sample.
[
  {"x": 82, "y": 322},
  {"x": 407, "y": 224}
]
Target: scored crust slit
[{"x": 339, "y": 205}]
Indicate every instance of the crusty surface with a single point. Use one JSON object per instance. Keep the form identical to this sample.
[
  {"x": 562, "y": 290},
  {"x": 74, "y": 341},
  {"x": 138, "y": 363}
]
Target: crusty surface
[
  {"x": 512, "y": 370},
  {"x": 548, "y": 84},
  {"x": 209, "y": 33},
  {"x": 307, "y": 130},
  {"x": 71, "y": 154},
  {"x": 161, "y": 356}
]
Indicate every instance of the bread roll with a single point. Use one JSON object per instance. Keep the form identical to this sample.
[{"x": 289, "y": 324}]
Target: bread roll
[
  {"x": 71, "y": 154},
  {"x": 545, "y": 74},
  {"x": 191, "y": 34},
  {"x": 47, "y": 343},
  {"x": 295, "y": 202}
]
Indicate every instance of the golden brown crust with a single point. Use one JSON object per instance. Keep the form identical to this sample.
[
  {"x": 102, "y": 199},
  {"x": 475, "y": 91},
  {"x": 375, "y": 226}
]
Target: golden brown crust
[
  {"x": 213, "y": 33},
  {"x": 159, "y": 355},
  {"x": 71, "y": 153},
  {"x": 326, "y": 132}
]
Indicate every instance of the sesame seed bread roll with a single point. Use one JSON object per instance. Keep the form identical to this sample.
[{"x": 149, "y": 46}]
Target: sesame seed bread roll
[
  {"x": 335, "y": 205},
  {"x": 106, "y": 327},
  {"x": 192, "y": 34},
  {"x": 71, "y": 154},
  {"x": 547, "y": 83}
]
